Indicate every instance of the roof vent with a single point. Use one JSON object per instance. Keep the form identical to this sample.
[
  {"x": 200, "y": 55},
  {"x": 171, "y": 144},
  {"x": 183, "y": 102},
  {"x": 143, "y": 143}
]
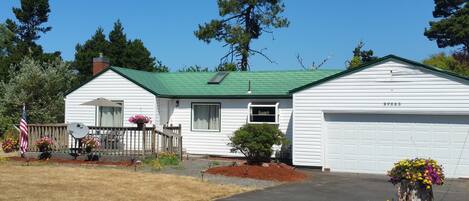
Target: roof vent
[{"x": 217, "y": 78}]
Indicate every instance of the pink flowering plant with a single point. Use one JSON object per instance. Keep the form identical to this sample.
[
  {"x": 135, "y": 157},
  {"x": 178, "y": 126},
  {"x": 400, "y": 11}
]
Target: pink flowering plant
[
  {"x": 140, "y": 119},
  {"x": 10, "y": 145},
  {"x": 90, "y": 143},
  {"x": 44, "y": 144},
  {"x": 420, "y": 172}
]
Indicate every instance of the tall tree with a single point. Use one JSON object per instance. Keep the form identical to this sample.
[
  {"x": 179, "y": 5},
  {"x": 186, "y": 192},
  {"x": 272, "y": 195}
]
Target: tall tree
[
  {"x": 120, "y": 51},
  {"x": 27, "y": 29},
  {"x": 118, "y": 44},
  {"x": 361, "y": 56},
  {"x": 6, "y": 40},
  {"x": 137, "y": 56},
  {"x": 31, "y": 15},
  {"x": 452, "y": 28},
  {"x": 242, "y": 21},
  {"x": 85, "y": 53}
]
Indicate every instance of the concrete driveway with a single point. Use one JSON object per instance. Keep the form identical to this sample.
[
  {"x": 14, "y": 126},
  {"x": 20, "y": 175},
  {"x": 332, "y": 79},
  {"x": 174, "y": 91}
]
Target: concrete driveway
[{"x": 343, "y": 186}]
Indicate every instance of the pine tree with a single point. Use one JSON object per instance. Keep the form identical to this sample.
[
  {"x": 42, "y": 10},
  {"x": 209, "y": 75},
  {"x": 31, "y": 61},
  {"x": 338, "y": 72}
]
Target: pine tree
[
  {"x": 138, "y": 57},
  {"x": 120, "y": 51},
  {"x": 30, "y": 17},
  {"x": 85, "y": 53},
  {"x": 117, "y": 45},
  {"x": 453, "y": 27},
  {"x": 360, "y": 56},
  {"x": 243, "y": 21}
]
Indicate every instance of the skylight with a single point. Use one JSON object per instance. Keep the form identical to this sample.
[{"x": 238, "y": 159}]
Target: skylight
[{"x": 217, "y": 78}]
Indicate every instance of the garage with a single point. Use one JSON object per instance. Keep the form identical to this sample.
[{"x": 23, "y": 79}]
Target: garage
[
  {"x": 365, "y": 119},
  {"x": 371, "y": 143}
]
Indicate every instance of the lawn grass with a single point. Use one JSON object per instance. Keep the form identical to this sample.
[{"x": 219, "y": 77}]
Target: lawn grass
[{"x": 56, "y": 182}]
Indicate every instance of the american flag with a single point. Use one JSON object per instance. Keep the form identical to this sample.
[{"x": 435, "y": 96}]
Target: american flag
[{"x": 23, "y": 132}]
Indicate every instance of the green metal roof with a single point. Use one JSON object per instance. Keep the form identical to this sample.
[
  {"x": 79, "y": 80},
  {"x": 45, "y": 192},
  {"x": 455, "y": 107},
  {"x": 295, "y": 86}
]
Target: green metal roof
[{"x": 264, "y": 84}]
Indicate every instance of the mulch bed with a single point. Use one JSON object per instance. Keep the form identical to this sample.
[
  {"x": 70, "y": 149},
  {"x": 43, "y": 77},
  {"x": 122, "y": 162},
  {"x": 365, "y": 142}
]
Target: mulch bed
[
  {"x": 69, "y": 161},
  {"x": 275, "y": 172}
]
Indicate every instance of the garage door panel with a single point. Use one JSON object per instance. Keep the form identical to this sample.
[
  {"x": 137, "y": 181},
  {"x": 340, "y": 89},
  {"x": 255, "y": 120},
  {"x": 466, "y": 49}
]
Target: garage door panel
[{"x": 371, "y": 143}]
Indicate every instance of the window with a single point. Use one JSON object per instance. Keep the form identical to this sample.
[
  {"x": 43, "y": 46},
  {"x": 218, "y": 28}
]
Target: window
[
  {"x": 263, "y": 113},
  {"x": 111, "y": 116},
  {"x": 206, "y": 116}
]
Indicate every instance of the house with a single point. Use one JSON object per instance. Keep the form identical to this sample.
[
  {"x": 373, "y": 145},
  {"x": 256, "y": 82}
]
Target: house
[{"x": 360, "y": 120}]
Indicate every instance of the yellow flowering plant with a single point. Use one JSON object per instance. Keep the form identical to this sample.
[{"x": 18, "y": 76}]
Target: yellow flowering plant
[
  {"x": 10, "y": 145},
  {"x": 422, "y": 172}
]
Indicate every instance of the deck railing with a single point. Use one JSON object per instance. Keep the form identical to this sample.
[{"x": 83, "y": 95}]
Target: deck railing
[{"x": 114, "y": 141}]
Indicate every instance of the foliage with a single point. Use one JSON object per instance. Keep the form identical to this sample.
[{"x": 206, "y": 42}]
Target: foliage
[
  {"x": 452, "y": 28},
  {"x": 10, "y": 145},
  {"x": 255, "y": 141},
  {"x": 242, "y": 21},
  {"x": 226, "y": 67},
  {"x": 11, "y": 132},
  {"x": 194, "y": 68},
  {"x": 90, "y": 143},
  {"x": 361, "y": 56},
  {"x": 6, "y": 40},
  {"x": 163, "y": 159},
  {"x": 85, "y": 53},
  {"x": 168, "y": 159},
  {"x": 447, "y": 62},
  {"x": 120, "y": 51},
  {"x": 30, "y": 17},
  {"x": 139, "y": 119},
  {"x": 153, "y": 163},
  {"x": 44, "y": 144},
  {"x": 423, "y": 172},
  {"x": 41, "y": 86}
]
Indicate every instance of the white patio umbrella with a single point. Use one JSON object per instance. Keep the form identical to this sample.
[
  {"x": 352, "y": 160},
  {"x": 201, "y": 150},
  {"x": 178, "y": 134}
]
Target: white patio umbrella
[{"x": 101, "y": 102}]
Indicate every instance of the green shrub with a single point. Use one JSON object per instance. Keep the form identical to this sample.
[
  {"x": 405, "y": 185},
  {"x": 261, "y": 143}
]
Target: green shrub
[
  {"x": 255, "y": 141},
  {"x": 164, "y": 159},
  {"x": 168, "y": 159}
]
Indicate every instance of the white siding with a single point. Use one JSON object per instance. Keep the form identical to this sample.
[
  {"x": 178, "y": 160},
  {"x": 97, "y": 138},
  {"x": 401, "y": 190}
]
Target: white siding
[
  {"x": 234, "y": 114},
  {"x": 112, "y": 86},
  {"x": 410, "y": 89}
]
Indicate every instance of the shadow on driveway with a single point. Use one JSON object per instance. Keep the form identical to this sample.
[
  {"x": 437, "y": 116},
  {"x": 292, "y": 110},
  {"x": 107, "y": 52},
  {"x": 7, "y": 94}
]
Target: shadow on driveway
[{"x": 323, "y": 186}]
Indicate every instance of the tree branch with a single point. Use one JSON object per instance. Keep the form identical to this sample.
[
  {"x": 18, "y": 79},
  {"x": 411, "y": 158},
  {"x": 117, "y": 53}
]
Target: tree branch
[{"x": 262, "y": 54}]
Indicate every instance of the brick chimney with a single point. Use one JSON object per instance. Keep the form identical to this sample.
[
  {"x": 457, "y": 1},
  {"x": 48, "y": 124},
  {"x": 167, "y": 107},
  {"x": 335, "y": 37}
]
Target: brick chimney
[{"x": 100, "y": 63}]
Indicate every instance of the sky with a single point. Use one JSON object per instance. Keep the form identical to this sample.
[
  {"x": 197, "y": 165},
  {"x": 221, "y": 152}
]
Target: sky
[{"x": 318, "y": 30}]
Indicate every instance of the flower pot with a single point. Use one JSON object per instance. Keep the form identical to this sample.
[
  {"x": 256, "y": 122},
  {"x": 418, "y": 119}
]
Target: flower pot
[
  {"x": 140, "y": 126},
  {"x": 410, "y": 191}
]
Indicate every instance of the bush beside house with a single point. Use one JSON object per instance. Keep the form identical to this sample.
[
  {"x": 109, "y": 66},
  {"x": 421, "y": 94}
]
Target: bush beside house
[{"x": 255, "y": 141}]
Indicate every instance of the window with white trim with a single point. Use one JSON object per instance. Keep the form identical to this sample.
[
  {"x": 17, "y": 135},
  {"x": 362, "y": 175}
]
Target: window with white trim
[
  {"x": 263, "y": 113},
  {"x": 206, "y": 116}
]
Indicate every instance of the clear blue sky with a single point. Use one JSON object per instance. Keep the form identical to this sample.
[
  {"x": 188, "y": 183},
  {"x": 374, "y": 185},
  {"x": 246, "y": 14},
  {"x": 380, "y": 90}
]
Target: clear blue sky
[{"x": 318, "y": 29}]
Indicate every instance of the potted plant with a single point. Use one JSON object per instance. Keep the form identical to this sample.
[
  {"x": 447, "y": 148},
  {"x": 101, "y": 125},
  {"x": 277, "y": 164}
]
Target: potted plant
[
  {"x": 140, "y": 120},
  {"x": 44, "y": 144},
  {"x": 10, "y": 145},
  {"x": 415, "y": 178},
  {"x": 89, "y": 144}
]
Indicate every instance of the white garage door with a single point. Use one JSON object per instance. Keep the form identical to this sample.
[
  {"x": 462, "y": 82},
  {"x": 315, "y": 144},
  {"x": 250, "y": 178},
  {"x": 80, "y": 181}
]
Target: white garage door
[{"x": 371, "y": 143}]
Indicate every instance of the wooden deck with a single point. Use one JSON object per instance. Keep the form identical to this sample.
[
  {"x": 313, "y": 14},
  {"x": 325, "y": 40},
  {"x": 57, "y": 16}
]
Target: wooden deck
[{"x": 114, "y": 141}]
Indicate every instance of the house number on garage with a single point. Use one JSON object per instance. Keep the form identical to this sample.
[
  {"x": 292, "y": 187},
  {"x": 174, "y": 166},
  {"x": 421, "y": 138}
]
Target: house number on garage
[{"x": 392, "y": 104}]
